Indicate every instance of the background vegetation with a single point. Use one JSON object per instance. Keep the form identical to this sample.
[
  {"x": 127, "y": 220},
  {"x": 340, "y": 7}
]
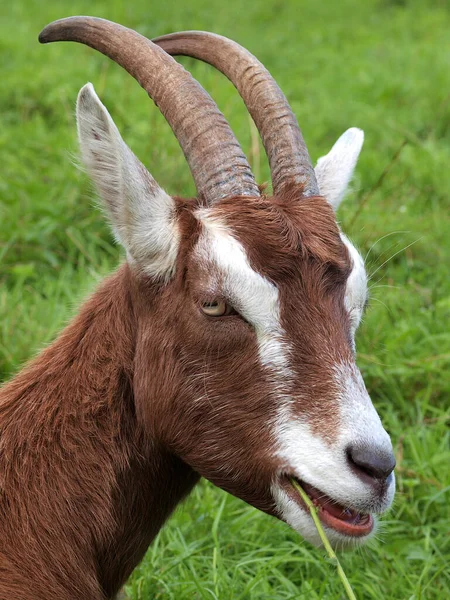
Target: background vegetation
[{"x": 381, "y": 65}]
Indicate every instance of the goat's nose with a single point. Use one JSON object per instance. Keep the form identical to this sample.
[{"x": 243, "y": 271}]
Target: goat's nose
[{"x": 371, "y": 461}]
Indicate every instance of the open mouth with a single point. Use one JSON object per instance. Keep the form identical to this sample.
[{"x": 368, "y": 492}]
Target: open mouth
[{"x": 343, "y": 519}]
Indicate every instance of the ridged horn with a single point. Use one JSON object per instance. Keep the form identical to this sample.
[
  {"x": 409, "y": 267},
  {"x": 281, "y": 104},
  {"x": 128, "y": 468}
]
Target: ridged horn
[
  {"x": 217, "y": 162},
  {"x": 283, "y": 141}
]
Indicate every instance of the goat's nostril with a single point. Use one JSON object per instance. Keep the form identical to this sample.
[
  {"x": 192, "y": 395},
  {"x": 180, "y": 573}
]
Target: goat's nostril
[{"x": 367, "y": 459}]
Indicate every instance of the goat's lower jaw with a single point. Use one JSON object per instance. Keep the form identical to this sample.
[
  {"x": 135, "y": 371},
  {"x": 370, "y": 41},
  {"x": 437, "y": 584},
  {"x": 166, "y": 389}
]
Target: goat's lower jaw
[{"x": 342, "y": 519}]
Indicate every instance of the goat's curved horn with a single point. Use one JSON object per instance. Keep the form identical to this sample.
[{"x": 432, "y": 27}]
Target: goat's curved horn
[
  {"x": 286, "y": 150},
  {"x": 216, "y": 160}
]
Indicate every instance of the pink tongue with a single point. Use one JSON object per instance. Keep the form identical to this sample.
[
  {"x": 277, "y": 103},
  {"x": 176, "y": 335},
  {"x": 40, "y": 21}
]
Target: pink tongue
[
  {"x": 339, "y": 511},
  {"x": 333, "y": 508}
]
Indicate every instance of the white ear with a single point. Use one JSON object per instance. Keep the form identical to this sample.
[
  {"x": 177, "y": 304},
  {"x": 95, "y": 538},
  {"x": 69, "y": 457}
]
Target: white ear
[
  {"x": 334, "y": 171},
  {"x": 142, "y": 214}
]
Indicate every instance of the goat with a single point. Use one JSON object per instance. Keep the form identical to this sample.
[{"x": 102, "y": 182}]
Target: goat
[{"x": 222, "y": 348}]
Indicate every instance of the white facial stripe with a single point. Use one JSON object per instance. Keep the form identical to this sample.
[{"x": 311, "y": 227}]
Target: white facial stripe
[
  {"x": 359, "y": 419},
  {"x": 301, "y": 452},
  {"x": 309, "y": 457},
  {"x": 356, "y": 288},
  {"x": 251, "y": 294}
]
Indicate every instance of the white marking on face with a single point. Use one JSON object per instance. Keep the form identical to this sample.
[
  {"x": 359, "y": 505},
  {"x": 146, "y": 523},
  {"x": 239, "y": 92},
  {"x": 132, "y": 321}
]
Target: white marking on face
[
  {"x": 251, "y": 294},
  {"x": 301, "y": 452},
  {"x": 314, "y": 460},
  {"x": 360, "y": 421},
  {"x": 324, "y": 465},
  {"x": 311, "y": 457}
]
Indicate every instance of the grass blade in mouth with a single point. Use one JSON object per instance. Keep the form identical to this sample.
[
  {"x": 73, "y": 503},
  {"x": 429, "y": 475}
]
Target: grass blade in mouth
[{"x": 323, "y": 536}]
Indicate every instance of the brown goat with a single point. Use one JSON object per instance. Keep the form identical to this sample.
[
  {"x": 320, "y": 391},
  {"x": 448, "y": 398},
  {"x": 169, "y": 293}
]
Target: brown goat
[{"x": 222, "y": 348}]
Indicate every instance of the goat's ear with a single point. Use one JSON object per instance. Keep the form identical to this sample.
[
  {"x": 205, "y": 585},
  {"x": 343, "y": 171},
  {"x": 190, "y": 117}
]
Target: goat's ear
[
  {"x": 334, "y": 171},
  {"x": 141, "y": 213}
]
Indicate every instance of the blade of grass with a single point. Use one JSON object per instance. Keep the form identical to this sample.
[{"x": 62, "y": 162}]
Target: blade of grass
[{"x": 312, "y": 509}]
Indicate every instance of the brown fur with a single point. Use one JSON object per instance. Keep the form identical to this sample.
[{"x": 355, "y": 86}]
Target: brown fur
[{"x": 110, "y": 427}]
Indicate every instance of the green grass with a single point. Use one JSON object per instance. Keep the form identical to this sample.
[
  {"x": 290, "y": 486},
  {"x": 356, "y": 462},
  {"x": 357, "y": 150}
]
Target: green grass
[{"x": 381, "y": 65}]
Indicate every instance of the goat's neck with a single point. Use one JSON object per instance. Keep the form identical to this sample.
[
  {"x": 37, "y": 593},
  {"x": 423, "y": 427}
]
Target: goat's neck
[{"x": 84, "y": 491}]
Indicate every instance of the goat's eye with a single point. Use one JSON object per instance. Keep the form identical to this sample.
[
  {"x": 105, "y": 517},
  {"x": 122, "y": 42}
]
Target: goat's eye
[{"x": 217, "y": 308}]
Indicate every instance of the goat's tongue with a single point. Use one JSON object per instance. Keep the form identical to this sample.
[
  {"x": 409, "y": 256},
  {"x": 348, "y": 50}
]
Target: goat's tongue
[
  {"x": 339, "y": 517},
  {"x": 338, "y": 511}
]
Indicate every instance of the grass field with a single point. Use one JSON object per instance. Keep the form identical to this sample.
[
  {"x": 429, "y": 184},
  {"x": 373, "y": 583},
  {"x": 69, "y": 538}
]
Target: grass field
[{"x": 381, "y": 65}]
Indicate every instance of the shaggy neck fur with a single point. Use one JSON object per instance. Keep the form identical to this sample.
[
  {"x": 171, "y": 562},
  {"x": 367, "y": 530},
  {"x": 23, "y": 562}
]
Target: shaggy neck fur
[{"x": 82, "y": 492}]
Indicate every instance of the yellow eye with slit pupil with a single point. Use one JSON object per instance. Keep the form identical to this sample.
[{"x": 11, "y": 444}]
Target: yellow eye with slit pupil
[{"x": 216, "y": 308}]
